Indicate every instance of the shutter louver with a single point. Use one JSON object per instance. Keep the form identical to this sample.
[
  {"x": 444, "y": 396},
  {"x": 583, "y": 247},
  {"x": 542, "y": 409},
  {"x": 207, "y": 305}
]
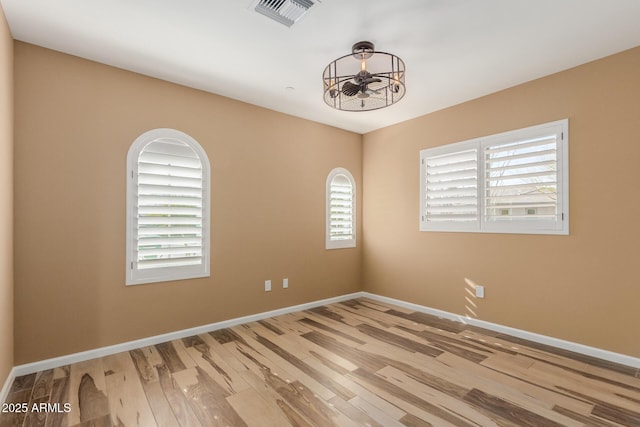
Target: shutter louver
[
  {"x": 521, "y": 181},
  {"x": 341, "y": 209},
  {"x": 451, "y": 187},
  {"x": 169, "y": 205}
]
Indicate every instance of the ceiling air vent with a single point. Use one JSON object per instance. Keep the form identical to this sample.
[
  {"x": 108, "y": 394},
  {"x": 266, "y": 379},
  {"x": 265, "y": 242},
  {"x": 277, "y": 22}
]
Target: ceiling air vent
[{"x": 286, "y": 12}]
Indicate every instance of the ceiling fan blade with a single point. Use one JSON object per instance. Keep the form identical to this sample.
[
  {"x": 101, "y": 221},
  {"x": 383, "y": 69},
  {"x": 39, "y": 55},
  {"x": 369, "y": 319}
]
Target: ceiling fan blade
[
  {"x": 372, "y": 80},
  {"x": 350, "y": 89}
]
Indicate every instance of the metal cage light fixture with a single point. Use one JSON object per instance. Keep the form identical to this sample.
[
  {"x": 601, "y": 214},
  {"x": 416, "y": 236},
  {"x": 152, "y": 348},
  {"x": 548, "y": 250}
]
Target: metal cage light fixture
[{"x": 364, "y": 80}]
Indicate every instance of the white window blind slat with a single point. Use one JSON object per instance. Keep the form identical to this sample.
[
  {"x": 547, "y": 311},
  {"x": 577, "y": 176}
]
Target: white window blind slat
[
  {"x": 522, "y": 144},
  {"x": 161, "y": 190},
  {"x": 168, "y": 159},
  {"x": 168, "y": 252},
  {"x": 171, "y": 147},
  {"x": 518, "y": 166},
  {"x": 520, "y": 174},
  {"x": 170, "y": 210},
  {"x": 436, "y": 167},
  {"x": 341, "y": 217},
  {"x": 521, "y": 206},
  {"x": 146, "y": 199},
  {"x": 341, "y": 201},
  {"x": 160, "y": 169},
  {"x": 171, "y": 230},
  {"x": 170, "y": 181},
  {"x": 148, "y": 264},
  {"x": 451, "y": 175},
  {"x": 530, "y": 198},
  {"x": 341, "y": 185},
  {"x": 460, "y": 157},
  {"x": 452, "y": 184},
  {"x": 544, "y": 154},
  {"x": 168, "y": 223},
  {"x": 515, "y": 189},
  {"x": 459, "y": 209},
  {"x": 453, "y": 193},
  {"x": 454, "y": 217},
  {"x": 154, "y": 240},
  {"x": 446, "y": 201},
  {"x": 344, "y": 208}
]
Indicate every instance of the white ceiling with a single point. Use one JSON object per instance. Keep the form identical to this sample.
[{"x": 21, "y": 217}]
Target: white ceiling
[{"x": 454, "y": 50}]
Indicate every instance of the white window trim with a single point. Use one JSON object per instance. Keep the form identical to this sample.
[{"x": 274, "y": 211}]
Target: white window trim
[
  {"x": 561, "y": 226},
  {"x": 136, "y": 276},
  {"x": 338, "y": 244}
]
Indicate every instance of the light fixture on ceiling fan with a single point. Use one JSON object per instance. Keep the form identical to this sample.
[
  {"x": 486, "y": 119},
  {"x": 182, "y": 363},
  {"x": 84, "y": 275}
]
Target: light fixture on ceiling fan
[{"x": 364, "y": 80}]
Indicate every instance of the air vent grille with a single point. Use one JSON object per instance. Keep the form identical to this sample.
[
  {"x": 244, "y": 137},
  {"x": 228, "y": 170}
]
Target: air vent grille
[{"x": 286, "y": 12}]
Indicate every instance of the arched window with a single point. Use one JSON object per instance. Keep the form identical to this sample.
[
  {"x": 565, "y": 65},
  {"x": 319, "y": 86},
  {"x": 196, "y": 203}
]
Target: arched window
[
  {"x": 167, "y": 208},
  {"x": 341, "y": 210}
]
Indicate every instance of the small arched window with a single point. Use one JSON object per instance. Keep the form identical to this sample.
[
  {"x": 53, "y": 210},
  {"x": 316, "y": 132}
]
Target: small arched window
[
  {"x": 341, "y": 210},
  {"x": 167, "y": 208}
]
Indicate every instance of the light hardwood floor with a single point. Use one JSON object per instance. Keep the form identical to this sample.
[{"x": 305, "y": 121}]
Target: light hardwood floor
[{"x": 356, "y": 363}]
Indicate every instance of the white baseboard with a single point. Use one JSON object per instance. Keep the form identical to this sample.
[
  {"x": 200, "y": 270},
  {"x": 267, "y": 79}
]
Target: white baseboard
[
  {"x": 127, "y": 346},
  {"x": 7, "y": 385},
  {"x": 56, "y": 362},
  {"x": 586, "y": 350}
]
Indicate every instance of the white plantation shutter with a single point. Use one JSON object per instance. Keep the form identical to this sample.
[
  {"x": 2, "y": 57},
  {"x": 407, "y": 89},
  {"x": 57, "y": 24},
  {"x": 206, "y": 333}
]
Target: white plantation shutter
[
  {"x": 521, "y": 180},
  {"x": 169, "y": 205},
  {"x": 520, "y": 184},
  {"x": 450, "y": 187},
  {"x": 340, "y": 209},
  {"x": 169, "y": 208}
]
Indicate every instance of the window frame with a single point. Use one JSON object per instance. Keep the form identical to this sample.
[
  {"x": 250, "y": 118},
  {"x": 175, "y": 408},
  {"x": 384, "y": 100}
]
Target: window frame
[
  {"x": 346, "y": 243},
  {"x": 558, "y": 226},
  {"x": 136, "y": 276}
]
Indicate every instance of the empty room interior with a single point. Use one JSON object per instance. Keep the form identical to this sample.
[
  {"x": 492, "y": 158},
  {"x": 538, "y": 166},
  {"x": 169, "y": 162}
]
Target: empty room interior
[{"x": 320, "y": 213}]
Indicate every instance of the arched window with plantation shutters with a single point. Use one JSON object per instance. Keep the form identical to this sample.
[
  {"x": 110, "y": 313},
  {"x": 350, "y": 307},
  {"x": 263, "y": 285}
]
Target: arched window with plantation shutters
[
  {"x": 167, "y": 208},
  {"x": 341, "y": 210}
]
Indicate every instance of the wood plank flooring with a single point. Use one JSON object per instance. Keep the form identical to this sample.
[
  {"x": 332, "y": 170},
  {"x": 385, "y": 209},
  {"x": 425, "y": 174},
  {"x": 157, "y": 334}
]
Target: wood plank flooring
[{"x": 356, "y": 363}]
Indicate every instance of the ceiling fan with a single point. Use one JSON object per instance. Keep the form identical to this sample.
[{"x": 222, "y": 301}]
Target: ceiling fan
[{"x": 369, "y": 87}]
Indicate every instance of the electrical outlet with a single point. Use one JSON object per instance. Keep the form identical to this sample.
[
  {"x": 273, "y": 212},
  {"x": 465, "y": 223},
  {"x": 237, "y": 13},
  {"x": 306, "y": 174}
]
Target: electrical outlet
[
  {"x": 267, "y": 285},
  {"x": 479, "y": 291},
  {"x": 285, "y": 283}
]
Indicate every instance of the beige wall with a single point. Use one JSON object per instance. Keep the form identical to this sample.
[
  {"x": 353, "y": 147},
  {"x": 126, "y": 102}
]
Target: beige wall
[
  {"x": 583, "y": 287},
  {"x": 6, "y": 199},
  {"x": 75, "y": 121}
]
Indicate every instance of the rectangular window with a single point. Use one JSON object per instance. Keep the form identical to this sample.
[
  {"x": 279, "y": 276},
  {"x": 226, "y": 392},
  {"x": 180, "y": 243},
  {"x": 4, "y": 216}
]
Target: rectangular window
[{"x": 513, "y": 182}]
